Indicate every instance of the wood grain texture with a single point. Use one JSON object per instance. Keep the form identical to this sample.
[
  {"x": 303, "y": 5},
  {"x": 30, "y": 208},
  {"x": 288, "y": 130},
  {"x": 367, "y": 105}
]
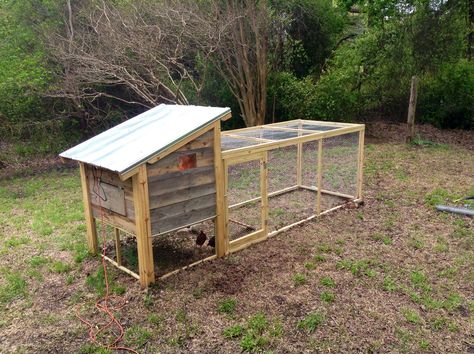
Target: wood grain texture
[
  {"x": 181, "y": 197},
  {"x": 146, "y": 269},
  {"x": 90, "y": 221}
]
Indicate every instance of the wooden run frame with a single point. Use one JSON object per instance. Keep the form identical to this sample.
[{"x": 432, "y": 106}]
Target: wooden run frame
[{"x": 257, "y": 150}]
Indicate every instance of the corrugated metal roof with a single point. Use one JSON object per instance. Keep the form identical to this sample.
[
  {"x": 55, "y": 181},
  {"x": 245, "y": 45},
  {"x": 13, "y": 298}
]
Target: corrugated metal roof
[{"x": 133, "y": 142}]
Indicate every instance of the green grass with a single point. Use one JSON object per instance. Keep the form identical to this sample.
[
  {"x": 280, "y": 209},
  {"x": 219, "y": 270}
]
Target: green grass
[
  {"x": 379, "y": 237},
  {"x": 15, "y": 287},
  {"x": 233, "y": 331},
  {"x": 416, "y": 242},
  {"x": 311, "y": 322},
  {"x": 319, "y": 258},
  {"x": 358, "y": 268},
  {"x": 389, "y": 284},
  {"x": 327, "y": 281},
  {"x": 137, "y": 336},
  {"x": 37, "y": 261},
  {"x": 300, "y": 279},
  {"x": 411, "y": 316},
  {"x": 419, "y": 280},
  {"x": 60, "y": 267},
  {"x": 14, "y": 242},
  {"x": 255, "y": 334},
  {"x": 227, "y": 306},
  {"x": 327, "y": 296},
  {"x": 155, "y": 319},
  {"x": 439, "y": 196},
  {"x": 310, "y": 266},
  {"x": 96, "y": 282}
]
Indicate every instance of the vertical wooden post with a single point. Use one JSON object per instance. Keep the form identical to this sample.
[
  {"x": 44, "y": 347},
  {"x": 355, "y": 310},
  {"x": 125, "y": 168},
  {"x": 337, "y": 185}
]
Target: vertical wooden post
[
  {"x": 118, "y": 247},
  {"x": 143, "y": 227},
  {"x": 299, "y": 164},
  {"x": 360, "y": 164},
  {"x": 226, "y": 203},
  {"x": 221, "y": 232},
  {"x": 412, "y": 109},
  {"x": 319, "y": 176},
  {"x": 264, "y": 191},
  {"x": 90, "y": 221}
]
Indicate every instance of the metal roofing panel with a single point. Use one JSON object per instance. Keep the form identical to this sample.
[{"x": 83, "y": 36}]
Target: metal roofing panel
[{"x": 134, "y": 141}]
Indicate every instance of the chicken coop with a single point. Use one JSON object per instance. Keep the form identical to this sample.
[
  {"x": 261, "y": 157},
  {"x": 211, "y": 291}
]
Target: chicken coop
[{"x": 178, "y": 191}]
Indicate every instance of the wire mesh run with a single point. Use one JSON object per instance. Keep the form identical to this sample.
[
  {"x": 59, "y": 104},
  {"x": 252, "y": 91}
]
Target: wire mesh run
[
  {"x": 296, "y": 174},
  {"x": 282, "y": 168},
  {"x": 310, "y": 126},
  {"x": 271, "y": 134},
  {"x": 244, "y": 198},
  {"x": 229, "y": 143},
  {"x": 340, "y": 163}
]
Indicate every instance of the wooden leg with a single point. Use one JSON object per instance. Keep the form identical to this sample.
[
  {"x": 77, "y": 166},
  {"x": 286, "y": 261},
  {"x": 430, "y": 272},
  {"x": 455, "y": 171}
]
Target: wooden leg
[
  {"x": 90, "y": 221},
  {"x": 143, "y": 227},
  {"x": 118, "y": 247}
]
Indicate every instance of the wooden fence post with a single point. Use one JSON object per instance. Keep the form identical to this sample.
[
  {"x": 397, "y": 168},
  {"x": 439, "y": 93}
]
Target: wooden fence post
[{"x": 411, "y": 110}]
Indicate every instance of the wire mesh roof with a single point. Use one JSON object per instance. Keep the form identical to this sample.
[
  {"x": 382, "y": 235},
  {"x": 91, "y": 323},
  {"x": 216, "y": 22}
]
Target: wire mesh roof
[
  {"x": 234, "y": 139},
  {"x": 136, "y": 140}
]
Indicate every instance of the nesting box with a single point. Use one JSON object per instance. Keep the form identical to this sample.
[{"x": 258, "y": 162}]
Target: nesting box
[{"x": 172, "y": 167}]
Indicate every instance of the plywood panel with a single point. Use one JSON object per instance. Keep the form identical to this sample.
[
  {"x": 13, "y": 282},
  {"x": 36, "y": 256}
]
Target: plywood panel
[
  {"x": 110, "y": 197},
  {"x": 123, "y": 216}
]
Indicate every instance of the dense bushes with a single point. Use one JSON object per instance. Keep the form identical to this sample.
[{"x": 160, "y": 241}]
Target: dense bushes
[
  {"x": 323, "y": 62},
  {"x": 447, "y": 98}
]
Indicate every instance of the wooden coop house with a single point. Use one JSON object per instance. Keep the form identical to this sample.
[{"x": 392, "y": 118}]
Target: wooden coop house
[{"x": 171, "y": 168}]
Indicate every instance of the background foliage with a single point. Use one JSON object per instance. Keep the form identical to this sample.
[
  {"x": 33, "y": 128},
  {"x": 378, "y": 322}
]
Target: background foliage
[{"x": 329, "y": 60}]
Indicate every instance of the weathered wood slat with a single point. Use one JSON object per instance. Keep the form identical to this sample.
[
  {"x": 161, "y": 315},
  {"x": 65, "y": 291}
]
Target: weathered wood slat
[
  {"x": 189, "y": 178},
  {"x": 204, "y": 157},
  {"x": 181, "y": 209},
  {"x": 181, "y": 195},
  {"x": 163, "y": 225}
]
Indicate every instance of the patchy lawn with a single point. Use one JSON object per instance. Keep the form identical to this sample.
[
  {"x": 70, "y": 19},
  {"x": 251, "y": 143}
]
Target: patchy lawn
[{"x": 391, "y": 276}]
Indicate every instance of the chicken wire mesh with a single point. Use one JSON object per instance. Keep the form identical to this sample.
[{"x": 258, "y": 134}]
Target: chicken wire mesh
[
  {"x": 271, "y": 134},
  {"x": 243, "y": 184},
  {"x": 310, "y": 126},
  {"x": 340, "y": 166},
  {"x": 292, "y": 205},
  {"x": 281, "y": 168},
  {"x": 229, "y": 143}
]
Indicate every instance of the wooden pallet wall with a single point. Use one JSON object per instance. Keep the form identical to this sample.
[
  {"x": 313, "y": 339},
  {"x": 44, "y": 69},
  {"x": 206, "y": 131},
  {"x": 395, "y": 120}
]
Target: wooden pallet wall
[{"x": 181, "y": 195}]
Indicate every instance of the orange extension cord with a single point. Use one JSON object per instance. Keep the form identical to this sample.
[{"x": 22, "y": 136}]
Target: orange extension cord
[{"x": 104, "y": 305}]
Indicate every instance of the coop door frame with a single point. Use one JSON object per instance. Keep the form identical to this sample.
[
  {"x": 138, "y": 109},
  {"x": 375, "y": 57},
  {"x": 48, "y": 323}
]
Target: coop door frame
[{"x": 262, "y": 233}]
